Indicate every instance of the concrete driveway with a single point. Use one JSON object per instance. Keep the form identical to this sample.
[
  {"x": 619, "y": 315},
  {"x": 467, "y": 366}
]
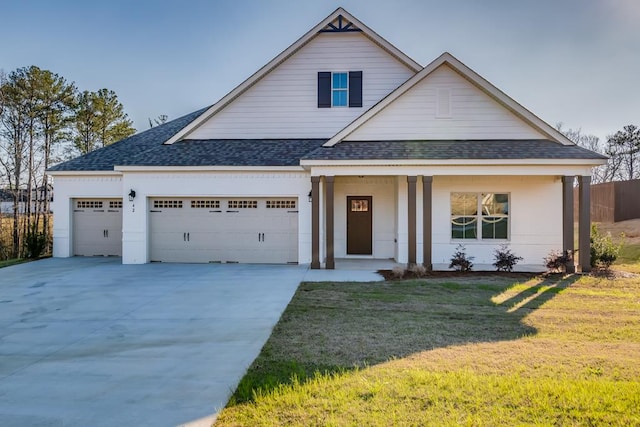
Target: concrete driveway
[{"x": 88, "y": 341}]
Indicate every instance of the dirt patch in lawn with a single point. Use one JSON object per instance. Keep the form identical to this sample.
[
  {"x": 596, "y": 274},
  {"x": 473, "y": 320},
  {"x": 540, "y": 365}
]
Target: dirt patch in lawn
[{"x": 630, "y": 228}]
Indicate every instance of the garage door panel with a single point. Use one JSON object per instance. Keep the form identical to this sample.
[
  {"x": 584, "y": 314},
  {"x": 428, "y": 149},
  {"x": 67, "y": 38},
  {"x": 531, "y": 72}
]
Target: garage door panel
[
  {"x": 244, "y": 230},
  {"x": 97, "y": 227}
]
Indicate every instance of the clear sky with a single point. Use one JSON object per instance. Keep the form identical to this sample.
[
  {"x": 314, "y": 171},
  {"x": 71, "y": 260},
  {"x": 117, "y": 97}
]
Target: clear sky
[{"x": 571, "y": 61}]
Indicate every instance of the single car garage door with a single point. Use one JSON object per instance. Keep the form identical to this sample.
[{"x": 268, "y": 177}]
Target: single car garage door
[
  {"x": 245, "y": 230},
  {"x": 97, "y": 227}
]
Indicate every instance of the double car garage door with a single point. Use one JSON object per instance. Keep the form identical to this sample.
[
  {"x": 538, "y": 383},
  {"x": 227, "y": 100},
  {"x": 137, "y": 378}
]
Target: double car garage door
[{"x": 203, "y": 230}]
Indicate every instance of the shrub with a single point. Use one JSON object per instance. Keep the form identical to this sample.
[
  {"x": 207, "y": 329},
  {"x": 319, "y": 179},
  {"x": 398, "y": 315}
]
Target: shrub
[
  {"x": 460, "y": 261},
  {"x": 603, "y": 251},
  {"x": 35, "y": 243},
  {"x": 398, "y": 272},
  {"x": 505, "y": 259},
  {"x": 556, "y": 261},
  {"x": 418, "y": 270}
]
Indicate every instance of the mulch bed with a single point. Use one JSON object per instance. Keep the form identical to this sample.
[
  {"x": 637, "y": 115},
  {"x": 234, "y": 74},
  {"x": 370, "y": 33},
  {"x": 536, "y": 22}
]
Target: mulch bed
[{"x": 388, "y": 275}]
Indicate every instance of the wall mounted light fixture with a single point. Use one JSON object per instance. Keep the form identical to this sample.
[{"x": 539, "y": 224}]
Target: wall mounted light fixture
[
  {"x": 132, "y": 195},
  {"x": 310, "y": 197}
]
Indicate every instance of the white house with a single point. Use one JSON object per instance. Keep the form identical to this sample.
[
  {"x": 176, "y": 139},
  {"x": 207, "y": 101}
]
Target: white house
[{"x": 340, "y": 147}]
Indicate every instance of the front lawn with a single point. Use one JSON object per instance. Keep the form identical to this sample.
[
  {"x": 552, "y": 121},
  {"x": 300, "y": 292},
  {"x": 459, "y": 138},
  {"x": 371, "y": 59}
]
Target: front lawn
[{"x": 484, "y": 351}]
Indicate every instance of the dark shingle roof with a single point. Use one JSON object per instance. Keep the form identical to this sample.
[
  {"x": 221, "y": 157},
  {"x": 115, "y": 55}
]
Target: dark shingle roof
[
  {"x": 456, "y": 150},
  {"x": 147, "y": 149},
  {"x": 115, "y": 154},
  {"x": 228, "y": 152}
]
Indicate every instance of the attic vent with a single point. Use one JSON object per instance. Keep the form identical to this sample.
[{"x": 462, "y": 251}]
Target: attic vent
[
  {"x": 443, "y": 103},
  {"x": 115, "y": 204},
  {"x": 89, "y": 204},
  {"x": 242, "y": 204},
  {"x": 205, "y": 204},
  {"x": 281, "y": 204},
  {"x": 167, "y": 204}
]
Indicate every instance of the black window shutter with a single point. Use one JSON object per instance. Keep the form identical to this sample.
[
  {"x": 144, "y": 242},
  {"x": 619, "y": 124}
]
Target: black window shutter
[
  {"x": 324, "y": 89},
  {"x": 355, "y": 88}
]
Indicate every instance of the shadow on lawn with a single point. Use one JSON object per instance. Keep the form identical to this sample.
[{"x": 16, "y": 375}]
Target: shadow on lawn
[{"x": 331, "y": 328}]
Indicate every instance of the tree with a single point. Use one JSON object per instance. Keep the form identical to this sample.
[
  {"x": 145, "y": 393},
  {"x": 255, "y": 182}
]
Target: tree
[
  {"x": 161, "y": 119},
  {"x": 624, "y": 146},
  {"x": 99, "y": 120},
  {"x": 590, "y": 142}
]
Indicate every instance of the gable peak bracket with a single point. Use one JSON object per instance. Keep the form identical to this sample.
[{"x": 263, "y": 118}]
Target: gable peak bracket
[{"x": 342, "y": 26}]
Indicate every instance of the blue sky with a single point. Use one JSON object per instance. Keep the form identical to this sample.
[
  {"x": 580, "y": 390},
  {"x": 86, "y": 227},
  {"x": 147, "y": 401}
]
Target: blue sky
[{"x": 575, "y": 61}]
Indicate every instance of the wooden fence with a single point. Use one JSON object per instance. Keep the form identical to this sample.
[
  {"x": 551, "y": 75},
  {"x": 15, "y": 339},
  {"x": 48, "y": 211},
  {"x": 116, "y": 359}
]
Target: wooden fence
[{"x": 613, "y": 201}]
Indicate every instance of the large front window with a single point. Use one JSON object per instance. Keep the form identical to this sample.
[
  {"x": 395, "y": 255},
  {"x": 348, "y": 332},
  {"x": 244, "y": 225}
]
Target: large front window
[{"x": 480, "y": 216}]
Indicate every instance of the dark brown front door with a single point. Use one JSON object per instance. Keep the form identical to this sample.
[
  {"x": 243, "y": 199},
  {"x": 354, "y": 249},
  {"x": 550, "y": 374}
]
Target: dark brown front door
[{"x": 359, "y": 225}]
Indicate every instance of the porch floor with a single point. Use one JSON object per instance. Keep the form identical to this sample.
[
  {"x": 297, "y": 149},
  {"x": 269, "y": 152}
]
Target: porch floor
[{"x": 366, "y": 264}]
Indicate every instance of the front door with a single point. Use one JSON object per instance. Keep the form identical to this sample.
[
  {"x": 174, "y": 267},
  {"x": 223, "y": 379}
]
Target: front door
[{"x": 359, "y": 225}]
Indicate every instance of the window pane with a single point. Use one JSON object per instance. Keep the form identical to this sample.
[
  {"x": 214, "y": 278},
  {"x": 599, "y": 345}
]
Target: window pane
[
  {"x": 495, "y": 204},
  {"x": 464, "y": 227},
  {"x": 494, "y": 227},
  {"x": 339, "y": 98},
  {"x": 464, "y": 203},
  {"x": 359, "y": 205},
  {"x": 340, "y": 80}
]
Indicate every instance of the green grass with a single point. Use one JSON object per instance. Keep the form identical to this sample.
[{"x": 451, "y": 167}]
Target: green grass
[
  {"x": 13, "y": 261},
  {"x": 483, "y": 351}
]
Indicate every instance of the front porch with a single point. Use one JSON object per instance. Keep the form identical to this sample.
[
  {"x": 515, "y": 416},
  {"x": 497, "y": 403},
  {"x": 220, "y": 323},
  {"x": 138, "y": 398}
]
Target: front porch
[{"x": 410, "y": 219}]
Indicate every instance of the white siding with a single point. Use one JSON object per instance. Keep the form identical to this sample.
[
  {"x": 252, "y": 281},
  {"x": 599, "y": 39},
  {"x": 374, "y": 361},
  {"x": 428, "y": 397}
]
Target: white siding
[
  {"x": 473, "y": 114},
  {"x": 535, "y": 219},
  {"x": 68, "y": 188},
  {"x": 209, "y": 184},
  {"x": 284, "y": 103},
  {"x": 382, "y": 190}
]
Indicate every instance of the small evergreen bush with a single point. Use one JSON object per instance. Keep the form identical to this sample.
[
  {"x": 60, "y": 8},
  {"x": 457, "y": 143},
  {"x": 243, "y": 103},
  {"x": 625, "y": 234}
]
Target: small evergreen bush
[
  {"x": 505, "y": 259},
  {"x": 556, "y": 261},
  {"x": 35, "y": 243},
  {"x": 460, "y": 261}
]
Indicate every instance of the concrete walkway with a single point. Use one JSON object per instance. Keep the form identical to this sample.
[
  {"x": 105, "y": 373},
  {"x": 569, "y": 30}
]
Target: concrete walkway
[{"x": 88, "y": 341}]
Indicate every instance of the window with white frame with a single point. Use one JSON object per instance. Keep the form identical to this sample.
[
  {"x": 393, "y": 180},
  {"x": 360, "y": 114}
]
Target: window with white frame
[{"x": 482, "y": 216}]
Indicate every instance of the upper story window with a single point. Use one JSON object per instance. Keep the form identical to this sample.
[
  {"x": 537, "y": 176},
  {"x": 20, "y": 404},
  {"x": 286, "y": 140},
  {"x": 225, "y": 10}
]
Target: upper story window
[{"x": 339, "y": 89}]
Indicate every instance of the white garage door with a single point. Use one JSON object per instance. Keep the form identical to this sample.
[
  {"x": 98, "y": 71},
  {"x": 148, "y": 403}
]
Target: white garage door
[
  {"x": 97, "y": 227},
  {"x": 245, "y": 230}
]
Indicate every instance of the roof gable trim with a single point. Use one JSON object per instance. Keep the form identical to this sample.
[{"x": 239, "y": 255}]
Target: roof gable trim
[
  {"x": 339, "y": 15},
  {"x": 472, "y": 77}
]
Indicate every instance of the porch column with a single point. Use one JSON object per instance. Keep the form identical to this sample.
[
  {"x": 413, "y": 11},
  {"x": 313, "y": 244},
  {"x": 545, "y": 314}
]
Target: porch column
[
  {"x": 427, "y": 182},
  {"x": 328, "y": 182},
  {"x": 315, "y": 222},
  {"x": 411, "y": 201},
  {"x": 567, "y": 221},
  {"x": 584, "y": 223}
]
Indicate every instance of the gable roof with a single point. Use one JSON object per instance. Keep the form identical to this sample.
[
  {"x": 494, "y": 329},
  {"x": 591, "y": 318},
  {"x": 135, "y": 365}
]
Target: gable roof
[
  {"x": 333, "y": 22},
  {"x": 471, "y": 76},
  {"x": 122, "y": 151}
]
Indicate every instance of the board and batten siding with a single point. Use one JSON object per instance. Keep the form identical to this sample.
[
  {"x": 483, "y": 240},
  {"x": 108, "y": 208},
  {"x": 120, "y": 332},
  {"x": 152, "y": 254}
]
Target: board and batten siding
[
  {"x": 283, "y": 104},
  {"x": 444, "y": 105}
]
